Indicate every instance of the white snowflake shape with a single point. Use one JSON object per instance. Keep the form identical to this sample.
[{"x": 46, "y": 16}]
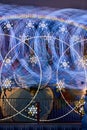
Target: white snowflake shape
[
  {"x": 24, "y": 38},
  {"x": 65, "y": 64},
  {"x": 43, "y": 25},
  {"x": 7, "y": 61},
  {"x": 8, "y": 25},
  {"x": 82, "y": 62},
  {"x": 30, "y": 24},
  {"x": 33, "y": 59},
  {"x": 49, "y": 37},
  {"x": 32, "y": 110},
  {"x": 62, "y": 29},
  {"x": 60, "y": 85},
  {"x": 7, "y": 83},
  {"x": 75, "y": 38}
]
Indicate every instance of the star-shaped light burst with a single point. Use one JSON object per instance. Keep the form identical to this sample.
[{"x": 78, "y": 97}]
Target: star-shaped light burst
[
  {"x": 62, "y": 29},
  {"x": 60, "y": 86},
  {"x": 43, "y": 25},
  {"x": 32, "y": 110},
  {"x": 64, "y": 64},
  {"x": 8, "y": 25},
  {"x": 7, "y": 83},
  {"x": 75, "y": 38},
  {"x": 82, "y": 61},
  {"x": 33, "y": 60},
  {"x": 24, "y": 38},
  {"x": 7, "y": 61},
  {"x": 30, "y": 24},
  {"x": 49, "y": 37}
]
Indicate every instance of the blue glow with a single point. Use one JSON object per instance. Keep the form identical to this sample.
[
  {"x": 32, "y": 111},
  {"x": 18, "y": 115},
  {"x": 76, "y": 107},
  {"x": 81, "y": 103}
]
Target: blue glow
[{"x": 48, "y": 39}]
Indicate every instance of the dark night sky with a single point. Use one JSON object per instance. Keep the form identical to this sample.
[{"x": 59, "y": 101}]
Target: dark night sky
[{"x": 82, "y": 4}]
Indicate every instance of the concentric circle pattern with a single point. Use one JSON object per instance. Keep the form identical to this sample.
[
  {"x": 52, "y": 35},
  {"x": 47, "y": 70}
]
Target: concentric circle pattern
[{"x": 43, "y": 63}]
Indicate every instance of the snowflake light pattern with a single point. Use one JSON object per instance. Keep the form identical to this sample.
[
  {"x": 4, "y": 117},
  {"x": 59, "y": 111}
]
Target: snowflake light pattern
[
  {"x": 24, "y": 38},
  {"x": 60, "y": 86},
  {"x": 30, "y": 24},
  {"x": 49, "y": 37},
  {"x": 64, "y": 64},
  {"x": 75, "y": 38},
  {"x": 82, "y": 62},
  {"x": 7, "y": 61},
  {"x": 43, "y": 25},
  {"x": 32, "y": 110},
  {"x": 62, "y": 29},
  {"x": 7, "y": 83},
  {"x": 8, "y": 25},
  {"x": 33, "y": 60}
]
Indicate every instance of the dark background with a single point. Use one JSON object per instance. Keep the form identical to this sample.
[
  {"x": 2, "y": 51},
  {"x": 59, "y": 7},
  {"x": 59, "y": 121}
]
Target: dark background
[{"x": 79, "y": 4}]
